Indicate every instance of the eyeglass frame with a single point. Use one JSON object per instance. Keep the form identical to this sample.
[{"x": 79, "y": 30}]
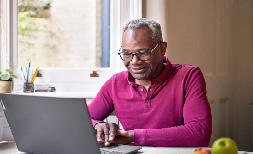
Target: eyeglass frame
[{"x": 137, "y": 53}]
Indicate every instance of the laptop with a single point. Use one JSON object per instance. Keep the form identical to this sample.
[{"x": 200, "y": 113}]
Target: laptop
[{"x": 53, "y": 125}]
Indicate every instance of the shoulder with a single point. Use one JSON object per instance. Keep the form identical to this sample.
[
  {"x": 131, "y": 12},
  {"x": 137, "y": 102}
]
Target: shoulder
[
  {"x": 190, "y": 75},
  {"x": 186, "y": 70},
  {"x": 185, "y": 67},
  {"x": 187, "y": 73}
]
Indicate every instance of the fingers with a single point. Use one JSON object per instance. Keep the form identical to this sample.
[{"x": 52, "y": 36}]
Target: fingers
[
  {"x": 106, "y": 132},
  {"x": 113, "y": 131},
  {"x": 100, "y": 133}
]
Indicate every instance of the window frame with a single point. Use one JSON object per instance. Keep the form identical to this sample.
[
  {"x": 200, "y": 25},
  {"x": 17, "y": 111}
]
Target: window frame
[
  {"x": 8, "y": 43},
  {"x": 121, "y": 11}
]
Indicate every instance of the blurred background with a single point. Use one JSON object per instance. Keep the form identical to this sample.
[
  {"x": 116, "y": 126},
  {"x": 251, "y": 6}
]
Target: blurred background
[{"x": 217, "y": 36}]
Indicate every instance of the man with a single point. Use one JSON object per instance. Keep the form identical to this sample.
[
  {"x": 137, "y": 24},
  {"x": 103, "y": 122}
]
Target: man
[{"x": 157, "y": 103}]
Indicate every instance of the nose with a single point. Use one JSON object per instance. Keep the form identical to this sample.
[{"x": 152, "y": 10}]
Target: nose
[{"x": 135, "y": 59}]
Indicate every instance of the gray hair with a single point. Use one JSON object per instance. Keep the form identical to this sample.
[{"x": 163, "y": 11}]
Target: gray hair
[{"x": 151, "y": 24}]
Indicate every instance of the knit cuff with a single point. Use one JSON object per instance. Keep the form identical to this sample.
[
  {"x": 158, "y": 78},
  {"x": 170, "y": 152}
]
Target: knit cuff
[
  {"x": 140, "y": 136},
  {"x": 94, "y": 122}
]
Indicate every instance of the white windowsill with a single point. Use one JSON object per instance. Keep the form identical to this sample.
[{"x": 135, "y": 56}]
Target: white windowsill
[{"x": 88, "y": 95}]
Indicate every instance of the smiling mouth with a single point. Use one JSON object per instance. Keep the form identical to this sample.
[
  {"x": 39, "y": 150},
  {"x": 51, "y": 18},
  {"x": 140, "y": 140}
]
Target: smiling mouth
[{"x": 138, "y": 70}]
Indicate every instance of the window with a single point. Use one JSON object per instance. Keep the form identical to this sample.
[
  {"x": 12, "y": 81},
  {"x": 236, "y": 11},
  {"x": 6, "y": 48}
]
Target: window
[
  {"x": 14, "y": 54},
  {"x": 53, "y": 33}
]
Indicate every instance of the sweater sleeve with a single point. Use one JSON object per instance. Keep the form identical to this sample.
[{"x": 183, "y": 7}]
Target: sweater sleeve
[
  {"x": 197, "y": 126},
  {"x": 101, "y": 106}
]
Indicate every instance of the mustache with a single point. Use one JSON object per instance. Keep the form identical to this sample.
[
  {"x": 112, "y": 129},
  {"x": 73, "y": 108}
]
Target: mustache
[{"x": 137, "y": 67}]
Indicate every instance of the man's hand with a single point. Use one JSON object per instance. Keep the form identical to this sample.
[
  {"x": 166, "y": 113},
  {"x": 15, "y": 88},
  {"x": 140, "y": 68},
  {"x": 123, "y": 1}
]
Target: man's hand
[
  {"x": 106, "y": 132},
  {"x": 124, "y": 137},
  {"x": 110, "y": 133}
]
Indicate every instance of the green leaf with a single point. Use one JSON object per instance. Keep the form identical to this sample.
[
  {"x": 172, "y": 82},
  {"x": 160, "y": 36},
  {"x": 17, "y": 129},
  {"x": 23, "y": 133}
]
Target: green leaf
[
  {"x": 9, "y": 71},
  {"x": 5, "y": 76},
  {"x": 14, "y": 76}
]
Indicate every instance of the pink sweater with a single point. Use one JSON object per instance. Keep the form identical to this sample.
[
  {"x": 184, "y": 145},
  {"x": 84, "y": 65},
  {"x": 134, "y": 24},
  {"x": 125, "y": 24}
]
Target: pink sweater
[{"x": 174, "y": 112}]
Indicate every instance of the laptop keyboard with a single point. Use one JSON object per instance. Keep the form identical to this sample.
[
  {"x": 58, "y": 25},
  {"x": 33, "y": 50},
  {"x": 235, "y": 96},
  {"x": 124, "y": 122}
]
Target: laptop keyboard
[{"x": 119, "y": 149}]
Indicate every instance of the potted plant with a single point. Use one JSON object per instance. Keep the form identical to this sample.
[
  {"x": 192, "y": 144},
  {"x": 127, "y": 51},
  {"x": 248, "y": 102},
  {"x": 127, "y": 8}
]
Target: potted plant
[{"x": 6, "y": 81}]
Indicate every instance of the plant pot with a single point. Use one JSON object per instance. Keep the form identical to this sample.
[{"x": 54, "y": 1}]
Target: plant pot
[{"x": 6, "y": 86}]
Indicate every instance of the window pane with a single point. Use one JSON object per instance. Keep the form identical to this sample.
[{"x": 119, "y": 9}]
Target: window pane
[{"x": 63, "y": 33}]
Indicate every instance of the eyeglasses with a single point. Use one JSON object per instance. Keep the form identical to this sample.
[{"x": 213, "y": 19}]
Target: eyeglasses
[{"x": 142, "y": 55}]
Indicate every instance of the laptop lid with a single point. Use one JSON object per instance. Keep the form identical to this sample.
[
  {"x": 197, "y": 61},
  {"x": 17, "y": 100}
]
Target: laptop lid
[{"x": 50, "y": 125}]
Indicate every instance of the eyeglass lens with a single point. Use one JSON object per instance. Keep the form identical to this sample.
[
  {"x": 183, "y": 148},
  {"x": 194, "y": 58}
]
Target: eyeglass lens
[{"x": 142, "y": 55}]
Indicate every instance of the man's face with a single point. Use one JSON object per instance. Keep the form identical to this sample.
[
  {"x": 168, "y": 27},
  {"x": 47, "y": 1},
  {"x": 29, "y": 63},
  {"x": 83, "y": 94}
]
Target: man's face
[{"x": 134, "y": 40}]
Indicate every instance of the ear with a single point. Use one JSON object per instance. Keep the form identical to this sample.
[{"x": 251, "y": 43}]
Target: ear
[{"x": 163, "y": 48}]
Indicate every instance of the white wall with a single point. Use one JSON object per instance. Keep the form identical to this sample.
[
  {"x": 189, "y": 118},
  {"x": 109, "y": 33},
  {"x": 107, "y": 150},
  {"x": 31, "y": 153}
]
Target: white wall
[
  {"x": 242, "y": 75},
  {"x": 217, "y": 36}
]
